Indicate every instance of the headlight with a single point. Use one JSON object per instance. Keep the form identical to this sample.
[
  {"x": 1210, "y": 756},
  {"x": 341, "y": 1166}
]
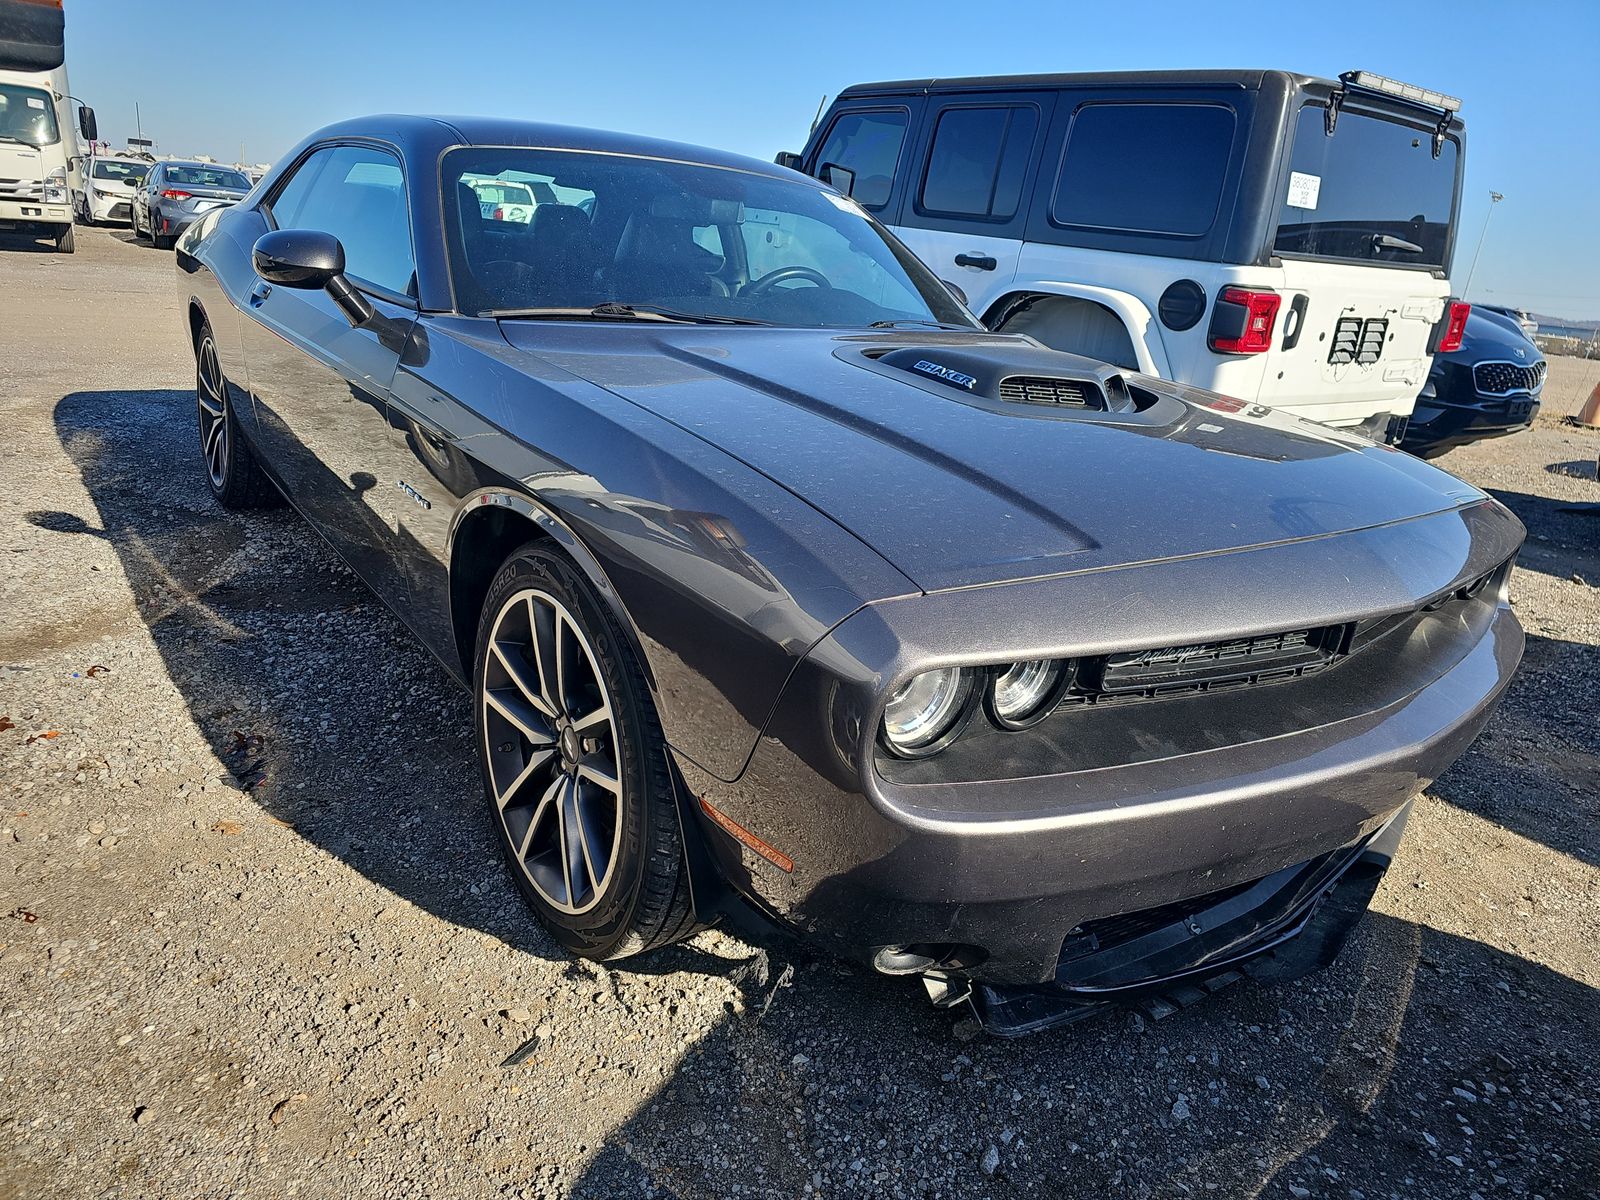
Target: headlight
[
  {"x": 1025, "y": 692},
  {"x": 927, "y": 711},
  {"x": 55, "y": 186}
]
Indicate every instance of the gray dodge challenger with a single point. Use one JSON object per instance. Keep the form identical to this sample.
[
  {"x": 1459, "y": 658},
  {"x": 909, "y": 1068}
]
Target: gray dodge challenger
[{"x": 784, "y": 588}]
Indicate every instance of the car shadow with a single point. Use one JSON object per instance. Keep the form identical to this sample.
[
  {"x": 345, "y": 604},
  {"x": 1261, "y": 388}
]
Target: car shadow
[
  {"x": 27, "y": 243},
  {"x": 311, "y": 693},
  {"x": 1536, "y": 769},
  {"x": 1577, "y": 468},
  {"x": 1350, "y": 1081},
  {"x": 1563, "y": 540}
]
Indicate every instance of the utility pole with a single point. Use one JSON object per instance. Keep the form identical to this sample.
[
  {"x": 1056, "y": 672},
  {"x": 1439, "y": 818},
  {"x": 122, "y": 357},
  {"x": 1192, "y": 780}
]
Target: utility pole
[{"x": 1494, "y": 198}]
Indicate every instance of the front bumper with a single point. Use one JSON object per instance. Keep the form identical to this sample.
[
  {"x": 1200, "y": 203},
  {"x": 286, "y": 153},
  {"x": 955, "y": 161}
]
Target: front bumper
[
  {"x": 110, "y": 207},
  {"x": 1439, "y": 425},
  {"x": 987, "y": 878},
  {"x": 33, "y": 217}
]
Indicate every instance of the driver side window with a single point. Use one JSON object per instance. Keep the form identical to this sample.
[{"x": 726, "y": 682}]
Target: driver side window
[{"x": 356, "y": 193}]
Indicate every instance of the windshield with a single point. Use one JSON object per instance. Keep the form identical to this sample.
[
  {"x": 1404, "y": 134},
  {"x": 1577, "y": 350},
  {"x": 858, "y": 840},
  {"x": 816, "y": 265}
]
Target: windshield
[
  {"x": 112, "y": 168},
  {"x": 688, "y": 241},
  {"x": 26, "y": 115},
  {"x": 1373, "y": 191},
  {"x": 211, "y": 177}
]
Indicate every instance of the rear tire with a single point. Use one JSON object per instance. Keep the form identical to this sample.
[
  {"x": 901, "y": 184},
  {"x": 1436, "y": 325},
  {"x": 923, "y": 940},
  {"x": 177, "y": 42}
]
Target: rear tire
[
  {"x": 602, "y": 867},
  {"x": 236, "y": 479}
]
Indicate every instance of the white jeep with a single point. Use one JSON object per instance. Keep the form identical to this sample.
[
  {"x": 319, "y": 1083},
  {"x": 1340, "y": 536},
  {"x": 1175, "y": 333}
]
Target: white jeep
[{"x": 1274, "y": 237}]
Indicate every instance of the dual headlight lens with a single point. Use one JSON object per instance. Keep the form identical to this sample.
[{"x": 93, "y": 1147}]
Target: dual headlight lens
[{"x": 928, "y": 711}]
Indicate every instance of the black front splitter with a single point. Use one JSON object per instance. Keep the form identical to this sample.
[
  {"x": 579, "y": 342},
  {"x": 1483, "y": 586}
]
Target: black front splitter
[{"x": 1275, "y": 930}]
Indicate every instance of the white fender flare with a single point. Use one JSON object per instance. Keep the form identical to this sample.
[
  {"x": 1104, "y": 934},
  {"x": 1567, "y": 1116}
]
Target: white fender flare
[{"x": 1138, "y": 320}]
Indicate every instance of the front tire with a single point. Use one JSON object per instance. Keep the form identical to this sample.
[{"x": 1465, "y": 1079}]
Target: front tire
[
  {"x": 66, "y": 242},
  {"x": 235, "y": 478},
  {"x": 574, "y": 763}
]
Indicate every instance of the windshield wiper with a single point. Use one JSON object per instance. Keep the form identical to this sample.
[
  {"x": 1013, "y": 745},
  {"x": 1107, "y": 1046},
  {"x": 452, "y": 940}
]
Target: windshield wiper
[
  {"x": 613, "y": 311},
  {"x": 912, "y": 321},
  {"x": 6, "y": 137},
  {"x": 1383, "y": 241}
]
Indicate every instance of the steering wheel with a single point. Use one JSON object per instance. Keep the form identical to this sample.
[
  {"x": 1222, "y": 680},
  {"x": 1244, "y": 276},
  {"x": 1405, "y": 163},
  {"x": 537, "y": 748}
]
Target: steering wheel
[{"x": 760, "y": 287}]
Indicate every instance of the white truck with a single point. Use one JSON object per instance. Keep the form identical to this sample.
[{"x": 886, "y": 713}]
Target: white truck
[
  {"x": 1278, "y": 238},
  {"x": 41, "y": 165}
]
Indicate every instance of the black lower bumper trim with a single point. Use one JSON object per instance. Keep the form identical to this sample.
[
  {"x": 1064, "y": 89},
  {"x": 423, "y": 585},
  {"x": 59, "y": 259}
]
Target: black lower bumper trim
[{"x": 1289, "y": 924}]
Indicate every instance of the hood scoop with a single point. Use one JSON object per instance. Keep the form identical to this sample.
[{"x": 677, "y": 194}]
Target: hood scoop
[{"x": 1016, "y": 374}]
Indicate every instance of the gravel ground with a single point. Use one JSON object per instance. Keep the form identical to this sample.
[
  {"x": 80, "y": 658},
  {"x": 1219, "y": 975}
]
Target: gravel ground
[{"x": 257, "y": 942}]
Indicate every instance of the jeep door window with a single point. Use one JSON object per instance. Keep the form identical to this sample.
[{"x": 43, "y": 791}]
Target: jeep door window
[
  {"x": 868, "y": 144},
  {"x": 1145, "y": 168},
  {"x": 357, "y": 194},
  {"x": 978, "y": 160},
  {"x": 1372, "y": 191},
  {"x": 649, "y": 239},
  {"x": 27, "y": 116}
]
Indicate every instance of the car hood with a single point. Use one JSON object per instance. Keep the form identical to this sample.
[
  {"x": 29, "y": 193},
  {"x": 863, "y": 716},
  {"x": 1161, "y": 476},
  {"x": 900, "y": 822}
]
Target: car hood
[{"x": 957, "y": 494}]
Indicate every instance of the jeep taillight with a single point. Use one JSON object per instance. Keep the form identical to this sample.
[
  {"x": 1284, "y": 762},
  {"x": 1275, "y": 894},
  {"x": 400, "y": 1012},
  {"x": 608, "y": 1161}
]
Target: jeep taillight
[
  {"x": 1455, "y": 327},
  {"x": 1242, "y": 321}
]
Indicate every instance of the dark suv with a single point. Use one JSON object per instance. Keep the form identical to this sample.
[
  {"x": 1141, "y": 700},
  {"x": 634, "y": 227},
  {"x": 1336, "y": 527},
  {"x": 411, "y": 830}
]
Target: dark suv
[{"x": 1488, "y": 388}]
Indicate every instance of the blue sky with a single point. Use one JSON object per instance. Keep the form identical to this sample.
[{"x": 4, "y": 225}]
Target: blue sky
[{"x": 748, "y": 77}]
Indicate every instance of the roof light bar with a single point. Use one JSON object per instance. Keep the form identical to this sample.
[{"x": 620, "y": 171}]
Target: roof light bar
[
  {"x": 1369, "y": 81},
  {"x": 1372, "y": 82}
]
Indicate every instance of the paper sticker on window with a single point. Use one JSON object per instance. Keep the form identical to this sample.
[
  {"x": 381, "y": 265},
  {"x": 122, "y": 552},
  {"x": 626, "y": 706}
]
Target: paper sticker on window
[
  {"x": 35, "y": 102},
  {"x": 1303, "y": 189}
]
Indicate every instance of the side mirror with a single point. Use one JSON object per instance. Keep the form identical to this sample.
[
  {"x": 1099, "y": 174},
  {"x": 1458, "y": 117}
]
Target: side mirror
[
  {"x": 788, "y": 158},
  {"x": 87, "y": 124},
  {"x": 309, "y": 259},
  {"x": 841, "y": 179}
]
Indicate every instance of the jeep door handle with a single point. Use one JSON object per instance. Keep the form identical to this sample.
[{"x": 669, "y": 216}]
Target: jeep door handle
[
  {"x": 984, "y": 262},
  {"x": 259, "y": 293}
]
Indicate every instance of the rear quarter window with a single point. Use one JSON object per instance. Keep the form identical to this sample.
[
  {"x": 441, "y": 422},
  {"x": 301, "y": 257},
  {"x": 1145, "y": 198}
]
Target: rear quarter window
[
  {"x": 978, "y": 160},
  {"x": 1144, "y": 168}
]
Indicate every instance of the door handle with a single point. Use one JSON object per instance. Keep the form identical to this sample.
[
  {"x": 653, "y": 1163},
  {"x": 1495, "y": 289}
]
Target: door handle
[
  {"x": 260, "y": 292},
  {"x": 984, "y": 262},
  {"x": 1295, "y": 322}
]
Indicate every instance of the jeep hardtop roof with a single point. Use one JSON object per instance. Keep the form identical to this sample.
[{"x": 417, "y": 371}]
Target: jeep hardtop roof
[{"x": 1143, "y": 79}]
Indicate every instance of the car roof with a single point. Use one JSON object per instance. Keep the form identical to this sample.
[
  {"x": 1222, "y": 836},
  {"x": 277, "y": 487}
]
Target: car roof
[
  {"x": 1110, "y": 79},
  {"x": 204, "y": 166},
  {"x": 433, "y": 134}
]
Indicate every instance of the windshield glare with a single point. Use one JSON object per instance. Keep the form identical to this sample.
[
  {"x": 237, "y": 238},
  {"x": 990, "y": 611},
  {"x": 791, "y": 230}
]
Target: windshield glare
[
  {"x": 213, "y": 177},
  {"x": 695, "y": 241},
  {"x": 1373, "y": 191},
  {"x": 112, "y": 168},
  {"x": 26, "y": 115}
]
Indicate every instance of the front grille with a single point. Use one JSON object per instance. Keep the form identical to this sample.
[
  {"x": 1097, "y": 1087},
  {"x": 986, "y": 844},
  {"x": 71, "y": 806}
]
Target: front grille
[
  {"x": 1031, "y": 389},
  {"x": 1358, "y": 341},
  {"x": 1506, "y": 378},
  {"x": 1210, "y": 664},
  {"x": 30, "y": 190}
]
